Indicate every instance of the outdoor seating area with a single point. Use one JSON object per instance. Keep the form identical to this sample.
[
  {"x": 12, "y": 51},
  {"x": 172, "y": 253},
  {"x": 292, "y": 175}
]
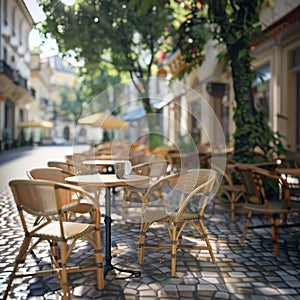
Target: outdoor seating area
[
  {"x": 162, "y": 213},
  {"x": 150, "y": 150}
]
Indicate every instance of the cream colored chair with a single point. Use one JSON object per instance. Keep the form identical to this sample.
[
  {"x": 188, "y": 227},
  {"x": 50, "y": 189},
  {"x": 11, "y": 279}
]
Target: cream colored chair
[
  {"x": 71, "y": 168},
  {"x": 183, "y": 206},
  {"x": 49, "y": 200},
  {"x": 155, "y": 168},
  {"x": 230, "y": 191},
  {"x": 268, "y": 195}
]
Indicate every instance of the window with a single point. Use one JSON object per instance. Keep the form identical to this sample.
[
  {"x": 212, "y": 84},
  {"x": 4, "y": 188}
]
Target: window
[
  {"x": 13, "y": 23},
  {"x": 20, "y": 33},
  {"x": 5, "y": 12},
  {"x": 261, "y": 90},
  {"x": 296, "y": 72}
]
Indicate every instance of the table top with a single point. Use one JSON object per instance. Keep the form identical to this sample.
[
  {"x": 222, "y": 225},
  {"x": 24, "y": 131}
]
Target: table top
[
  {"x": 101, "y": 162},
  {"x": 289, "y": 171},
  {"x": 107, "y": 180}
]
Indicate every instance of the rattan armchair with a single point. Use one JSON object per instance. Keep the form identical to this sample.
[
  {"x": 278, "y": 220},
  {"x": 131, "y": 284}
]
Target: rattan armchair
[
  {"x": 184, "y": 205},
  {"x": 71, "y": 168},
  {"x": 268, "y": 195},
  {"x": 155, "y": 168},
  {"x": 230, "y": 189},
  {"x": 37, "y": 198}
]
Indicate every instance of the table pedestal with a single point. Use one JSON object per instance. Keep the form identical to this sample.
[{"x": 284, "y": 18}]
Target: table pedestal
[{"x": 107, "y": 220}]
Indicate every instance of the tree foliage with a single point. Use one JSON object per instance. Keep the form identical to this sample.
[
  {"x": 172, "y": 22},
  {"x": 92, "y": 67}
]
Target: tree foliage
[
  {"x": 110, "y": 32},
  {"x": 236, "y": 25}
]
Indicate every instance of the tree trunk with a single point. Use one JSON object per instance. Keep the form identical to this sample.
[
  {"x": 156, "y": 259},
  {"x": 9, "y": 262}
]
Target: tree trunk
[{"x": 245, "y": 110}]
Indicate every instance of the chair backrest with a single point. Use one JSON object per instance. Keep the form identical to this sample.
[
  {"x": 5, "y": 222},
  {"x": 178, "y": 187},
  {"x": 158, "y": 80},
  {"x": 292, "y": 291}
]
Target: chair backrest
[
  {"x": 158, "y": 166},
  {"x": 193, "y": 180},
  {"x": 154, "y": 168},
  {"x": 191, "y": 184},
  {"x": 41, "y": 197},
  {"x": 66, "y": 166},
  {"x": 50, "y": 173},
  {"x": 70, "y": 167},
  {"x": 262, "y": 186}
]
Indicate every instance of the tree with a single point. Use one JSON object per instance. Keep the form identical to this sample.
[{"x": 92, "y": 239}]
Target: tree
[
  {"x": 71, "y": 103},
  {"x": 236, "y": 25},
  {"x": 111, "y": 32}
]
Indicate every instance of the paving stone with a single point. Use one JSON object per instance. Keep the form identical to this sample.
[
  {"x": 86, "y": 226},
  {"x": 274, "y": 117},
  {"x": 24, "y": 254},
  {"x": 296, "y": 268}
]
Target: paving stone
[{"x": 248, "y": 271}]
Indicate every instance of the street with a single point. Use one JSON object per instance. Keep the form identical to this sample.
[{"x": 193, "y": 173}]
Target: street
[
  {"x": 15, "y": 162},
  {"x": 242, "y": 271}
]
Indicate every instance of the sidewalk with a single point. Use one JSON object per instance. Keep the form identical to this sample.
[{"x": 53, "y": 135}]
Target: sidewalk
[
  {"x": 8, "y": 155},
  {"x": 241, "y": 272},
  {"x": 15, "y": 162}
]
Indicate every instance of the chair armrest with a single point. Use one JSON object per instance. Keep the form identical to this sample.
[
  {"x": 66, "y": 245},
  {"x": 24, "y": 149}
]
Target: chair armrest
[
  {"x": 157, "y": 183},
  {"x": 79, "y": 190}
]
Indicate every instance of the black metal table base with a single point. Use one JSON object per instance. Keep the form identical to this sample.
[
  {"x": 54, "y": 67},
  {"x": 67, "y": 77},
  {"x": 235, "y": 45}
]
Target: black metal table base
[
  {"x": 107, "y": 220},
  {"x": 132, "y": 273}
]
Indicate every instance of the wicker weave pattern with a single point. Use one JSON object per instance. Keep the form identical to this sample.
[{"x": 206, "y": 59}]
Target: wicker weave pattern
[
  {"x": 70, "y": 168},
  {"x": 191, "y": 185},
  {"x": 69, "y": 198},
  {"x": 191, "y": 179},
  {"x": 155, "y": 169},
  {"x": 232, "y": 192},
  {"x": 46, "y": 198},
  {"x": 267, "y": 194}
]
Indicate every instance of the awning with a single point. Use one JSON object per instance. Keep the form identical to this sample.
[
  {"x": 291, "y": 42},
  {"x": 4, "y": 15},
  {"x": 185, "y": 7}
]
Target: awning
[
  {"x": 134, "y": 114},
  {"x": 103, "y": 120},
  {"x": 35, "y": 124}
]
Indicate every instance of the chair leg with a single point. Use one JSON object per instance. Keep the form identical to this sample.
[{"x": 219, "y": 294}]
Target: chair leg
[
  {"x": 179, "y": 236},
  {"x": 204, "y": 233},
  {"x": 245, "y": 230},
  {"x": 99, "y": 260},
  {"x": 213, "y": 206},
  {"x": 232, "y": 211},
  {"x": 173, "y": 250},
  {"x": 63, "y": 276},
  {"x": 142, "y": 243},
  {"x": 19, "y": 259},
  {"x": 232, "y": 207},
  {"x": 275, "y": 233},
  {"x": 54, "y": 254}
]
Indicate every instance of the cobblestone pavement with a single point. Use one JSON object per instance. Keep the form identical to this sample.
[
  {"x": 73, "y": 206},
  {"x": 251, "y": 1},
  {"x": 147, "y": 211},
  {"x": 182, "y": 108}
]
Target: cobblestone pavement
[{"x": 248, "y": 271}]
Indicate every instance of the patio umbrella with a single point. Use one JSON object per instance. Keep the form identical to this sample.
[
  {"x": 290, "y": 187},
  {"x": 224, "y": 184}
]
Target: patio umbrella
[
  {"x": 35, "y": 124},
  {"x": 103, "y": 120}
]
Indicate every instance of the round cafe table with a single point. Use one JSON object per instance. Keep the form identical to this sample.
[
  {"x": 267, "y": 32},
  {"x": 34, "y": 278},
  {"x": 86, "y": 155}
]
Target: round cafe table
[{"x": 108, "y": 181}]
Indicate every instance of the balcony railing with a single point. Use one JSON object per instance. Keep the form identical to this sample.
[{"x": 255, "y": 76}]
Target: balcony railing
[
  {"x": 15, "y": 77},
  {"x": 6, "y": 70}
]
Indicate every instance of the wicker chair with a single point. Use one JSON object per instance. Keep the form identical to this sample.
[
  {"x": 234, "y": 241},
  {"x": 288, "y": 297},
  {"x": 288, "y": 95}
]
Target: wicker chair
[
  {"x": 48, "y": 199},
  {"x": 267, "y": 194},
  {"x": 71, "y": 168},
  {"x": 59, "y": 175},
  {"x": 155, "y": 168},
  {"x": 229, "y": 192},
  {"x": 184, "y": 205}
]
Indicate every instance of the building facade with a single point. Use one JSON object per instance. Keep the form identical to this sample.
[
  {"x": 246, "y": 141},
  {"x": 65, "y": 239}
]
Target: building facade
[
  {"x": 15, "y": 92},
  {"x": 64, "y": 86},
  {"x": 277, "y": 61}
]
